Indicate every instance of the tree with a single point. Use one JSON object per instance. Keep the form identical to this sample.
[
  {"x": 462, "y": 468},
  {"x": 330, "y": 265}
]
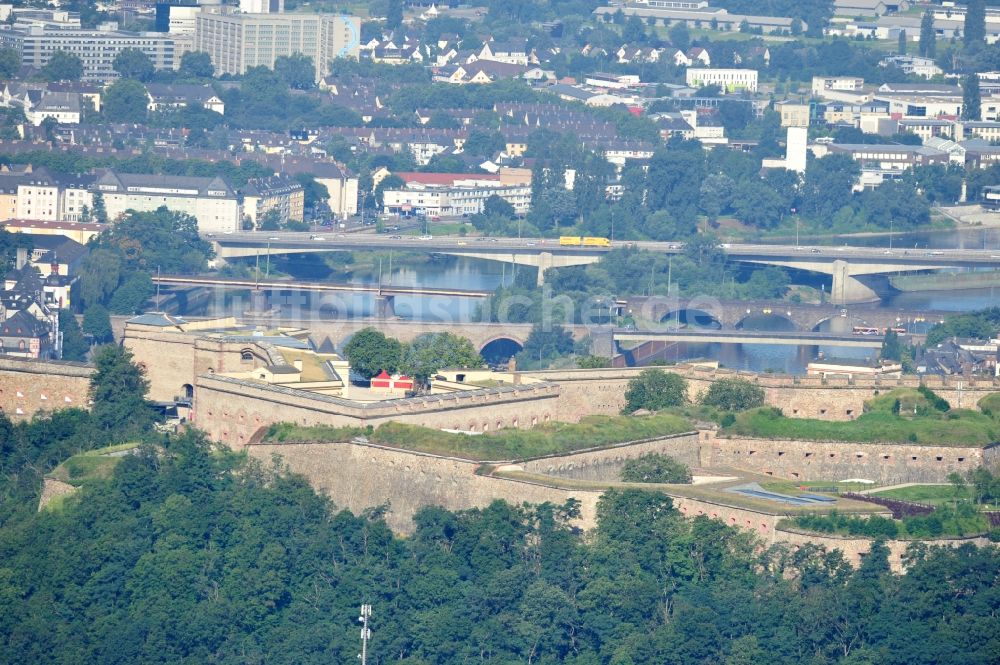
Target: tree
[
  {"x": 74, "y": 347},
  {"x": 891, "y": 347},
  {"x": 97, "y": 324},
  {"x": 370, "y": 352},
  {"x": 431, "y": 352},
  {"x": 545, "y": 344},
  {"x": 655, "y": 389},
  {"x": 196, "y": 64},
  {"x": 901, "y": 44},
  {"x": 159, "y": 239},
  {"x": 131, "y": 63},
  {"x": 927, "y": 46},
  {"x": 133, "y": 293},
  {"x": 297, "y": 70},
  {"x": 125, "y": 101},
  {"x": 655, "y": 468},
  {"x": 100, "y": 211},
  {"x": 394, "y": 14},
  {"x": 496, "y": 206},
  {"x": 971, "y": 98},
  {"x": 10, "y": 62},
  {"x": 974, "y": 30},
  {"x": 270, "y": 220},
  {"x": 63, "y": 66},
  {"x": 733, "y": 395},
  {"x": 680, "y": 37},
  {"x": 118, "y": 389}
]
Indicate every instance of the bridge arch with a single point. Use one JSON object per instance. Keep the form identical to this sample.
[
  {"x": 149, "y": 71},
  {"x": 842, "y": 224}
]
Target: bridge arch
[
  {"x": 500, "y": 349},
  {"x": 694, "y": 318}
]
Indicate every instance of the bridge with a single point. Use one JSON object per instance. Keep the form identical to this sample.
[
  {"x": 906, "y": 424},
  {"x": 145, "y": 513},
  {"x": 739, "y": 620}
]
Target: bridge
[
  {"x": 749, "y": 337},
  {"x": 385, "y": 295},
  {"x": 733, "y": 314},
  {"x": 855, "y": 271}
]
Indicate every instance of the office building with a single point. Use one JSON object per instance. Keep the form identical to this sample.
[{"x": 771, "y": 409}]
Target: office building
[
  {"x": 236, "y": 42},
  {"x": 96, "y": 49}
]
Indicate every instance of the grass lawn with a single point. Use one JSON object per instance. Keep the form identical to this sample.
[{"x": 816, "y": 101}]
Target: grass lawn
[
  {"x": 934, "y": 495},
  {"x": 91, "y": 465},
  {"x": 508, "y": 444}
]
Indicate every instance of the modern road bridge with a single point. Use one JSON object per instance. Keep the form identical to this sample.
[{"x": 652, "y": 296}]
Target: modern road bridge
[{"x": 851, "y": 268}]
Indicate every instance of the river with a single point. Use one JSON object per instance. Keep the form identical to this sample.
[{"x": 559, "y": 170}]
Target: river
[{"x": 472, "y": 274}]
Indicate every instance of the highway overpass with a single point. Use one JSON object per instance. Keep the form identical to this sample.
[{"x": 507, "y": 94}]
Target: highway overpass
[{"x": 851, "y": 268}]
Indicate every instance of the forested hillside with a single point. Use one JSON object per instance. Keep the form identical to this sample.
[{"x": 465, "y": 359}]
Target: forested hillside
[{"x": 188, "y": 554}]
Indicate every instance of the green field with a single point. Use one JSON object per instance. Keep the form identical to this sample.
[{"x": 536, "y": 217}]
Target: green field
[{"x": 508, "y": 444}]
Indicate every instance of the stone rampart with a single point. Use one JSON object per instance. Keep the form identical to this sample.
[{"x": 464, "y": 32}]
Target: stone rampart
[
  {"x": 855, "y": 549},
  {"x": 884, "y": 463},
  {"x": 233, "y": 410},
  {"x": 52, "y": 488},
  {"x": 359, "y": 476},
  {"x": 605, "y": 464},
  {"x": 28, "y": 387},
  {"x": 829, "y": 398}
]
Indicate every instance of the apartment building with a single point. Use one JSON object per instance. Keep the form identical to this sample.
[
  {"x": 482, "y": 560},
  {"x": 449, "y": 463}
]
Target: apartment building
[
  {"x": 96, "y": 49},
  {"x": 212, "y": 201},
  {"x": 40, "y": 196},
  {"x": 730, "y": 80},
  {"x": 437, "y": 194},
  {"x": 793, "y": 114},
  {"x": 261, "y": 195},
  {"x": 236, "y": 42}
]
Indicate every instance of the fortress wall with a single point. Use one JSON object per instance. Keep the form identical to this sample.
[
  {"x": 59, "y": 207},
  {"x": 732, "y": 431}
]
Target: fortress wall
[
  {"x": 834, "y": 398},
  {"x": 605, "y": 464},
  {"x": 884, "y": 463},
  {"x": 232, "y": 412},
  {"x": 359, "y": 476},
  {"x": 28, "y": 387},
  {"x": 854, "y": 549}
]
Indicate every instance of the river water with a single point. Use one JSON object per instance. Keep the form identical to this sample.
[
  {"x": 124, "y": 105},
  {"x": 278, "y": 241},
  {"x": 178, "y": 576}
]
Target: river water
[{"x": 471, "y": 274}]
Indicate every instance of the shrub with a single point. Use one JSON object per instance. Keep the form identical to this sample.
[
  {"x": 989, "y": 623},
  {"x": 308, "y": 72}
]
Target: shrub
[
  {"x": 733, "y": 395},
  {"x": 655, "y": 389},
  {"x": 655, "y": 468}
]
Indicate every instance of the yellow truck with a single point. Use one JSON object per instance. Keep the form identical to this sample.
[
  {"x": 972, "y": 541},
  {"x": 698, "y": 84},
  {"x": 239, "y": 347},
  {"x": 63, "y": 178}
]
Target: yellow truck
[{"x": 584, "y": 240}]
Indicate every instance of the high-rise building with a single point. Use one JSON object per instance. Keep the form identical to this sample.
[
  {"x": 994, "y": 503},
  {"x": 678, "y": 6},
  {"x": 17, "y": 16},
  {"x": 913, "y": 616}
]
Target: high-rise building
[
  {"x": 96, "y": 49},
  {"x": 236, "y": 42}
]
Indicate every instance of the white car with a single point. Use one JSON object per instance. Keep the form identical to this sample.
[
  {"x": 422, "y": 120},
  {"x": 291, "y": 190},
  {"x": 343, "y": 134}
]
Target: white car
[{"x": 426, "y": 238}]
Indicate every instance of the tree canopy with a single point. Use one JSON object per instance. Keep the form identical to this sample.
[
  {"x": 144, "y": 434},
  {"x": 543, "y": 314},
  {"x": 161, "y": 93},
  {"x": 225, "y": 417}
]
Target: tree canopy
[{"x": 655, "y": 389}]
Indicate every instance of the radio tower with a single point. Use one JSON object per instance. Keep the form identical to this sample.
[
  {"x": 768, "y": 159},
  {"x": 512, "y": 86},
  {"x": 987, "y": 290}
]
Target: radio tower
[{"x": 366, "y": 612}]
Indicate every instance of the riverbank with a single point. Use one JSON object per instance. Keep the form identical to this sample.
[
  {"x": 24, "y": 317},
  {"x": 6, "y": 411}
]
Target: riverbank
[{"x": 945, "y": 281}]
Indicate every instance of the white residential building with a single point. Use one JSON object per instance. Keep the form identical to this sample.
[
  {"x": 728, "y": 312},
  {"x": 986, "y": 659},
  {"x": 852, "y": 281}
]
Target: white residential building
[
  {"x": 729, "y": 80},
  {"x": 212, "y": 201},
  {"x": 438, "y": 194}
]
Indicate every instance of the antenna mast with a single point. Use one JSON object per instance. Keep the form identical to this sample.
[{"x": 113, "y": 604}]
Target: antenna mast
[{"x": 366, "y": 612}]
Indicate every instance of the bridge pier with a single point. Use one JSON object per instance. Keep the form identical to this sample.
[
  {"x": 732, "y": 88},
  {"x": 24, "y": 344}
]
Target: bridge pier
[
  {"x": 602, "y": 342},
  {"x": 385, "y": 306},
  {"x": 544, "y": 263},
  {"x": 847, "y": 288},
  {"x": 258, "y": 301}
]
